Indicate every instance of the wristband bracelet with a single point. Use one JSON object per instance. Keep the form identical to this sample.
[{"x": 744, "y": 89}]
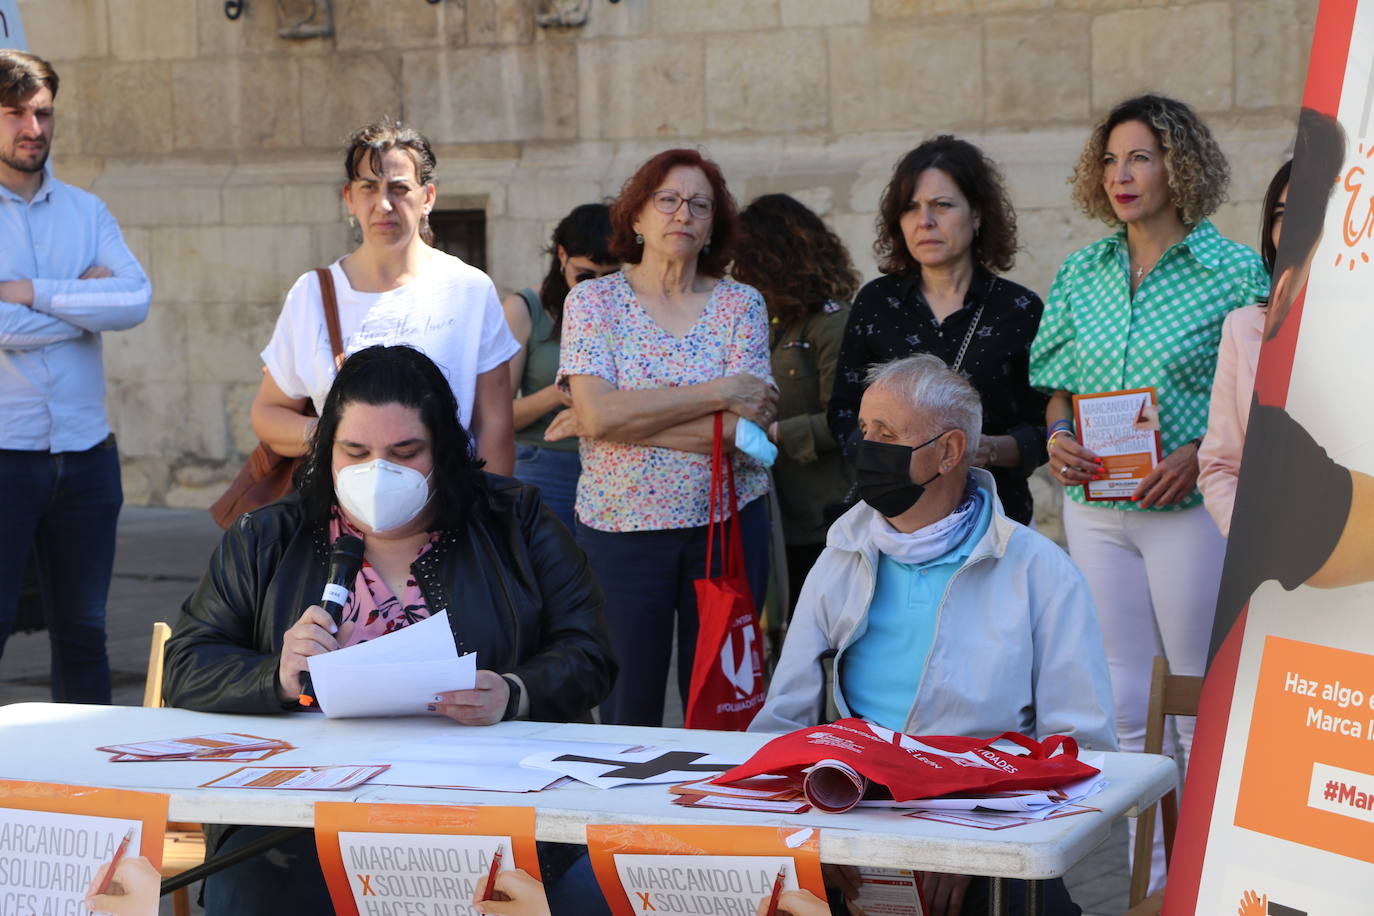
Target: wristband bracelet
[
  {"x": 1061, "y": 424},
  {"x": 1050, "y": 441}
]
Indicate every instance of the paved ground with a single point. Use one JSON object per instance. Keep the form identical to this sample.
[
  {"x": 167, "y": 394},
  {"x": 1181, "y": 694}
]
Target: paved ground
[{"x": 160, "y": 556}]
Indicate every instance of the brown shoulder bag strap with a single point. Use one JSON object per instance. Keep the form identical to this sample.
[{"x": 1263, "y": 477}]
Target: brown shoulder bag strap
[{"x": 331, "y": 311}]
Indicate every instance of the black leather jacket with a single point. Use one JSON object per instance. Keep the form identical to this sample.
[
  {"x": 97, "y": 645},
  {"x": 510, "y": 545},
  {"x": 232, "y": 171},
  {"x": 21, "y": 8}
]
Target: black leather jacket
[{"x": 517, "y": 589}]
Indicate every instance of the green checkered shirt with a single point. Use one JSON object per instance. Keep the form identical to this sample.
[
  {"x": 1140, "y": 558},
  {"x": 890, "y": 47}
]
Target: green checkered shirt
[{"x": 1095, "y": 337}]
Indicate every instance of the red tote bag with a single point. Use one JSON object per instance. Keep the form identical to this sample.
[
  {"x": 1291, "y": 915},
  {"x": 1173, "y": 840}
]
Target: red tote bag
[{"x": 727, "y": 670}]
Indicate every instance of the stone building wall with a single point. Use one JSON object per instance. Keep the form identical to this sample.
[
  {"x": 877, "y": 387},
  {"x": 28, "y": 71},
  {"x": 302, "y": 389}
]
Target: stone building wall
[{"x": 216, "y": 142}]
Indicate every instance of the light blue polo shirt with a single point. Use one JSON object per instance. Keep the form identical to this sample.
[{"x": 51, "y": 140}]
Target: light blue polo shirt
[{"x": 881, "y": 669}]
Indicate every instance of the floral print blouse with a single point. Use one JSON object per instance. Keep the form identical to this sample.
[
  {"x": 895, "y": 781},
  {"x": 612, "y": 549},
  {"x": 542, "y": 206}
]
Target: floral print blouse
[
  {"x": 608, "y": 334},
  {"x": 371, "y": 605}
]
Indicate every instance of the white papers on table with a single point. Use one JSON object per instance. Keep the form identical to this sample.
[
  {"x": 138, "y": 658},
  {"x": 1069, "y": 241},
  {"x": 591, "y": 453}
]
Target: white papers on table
[
  {"x": 330, "y": 777},
  {"x": 464, "y": 761},
  {"x": 395, "y": 675},
  {"x": 636, "y": 766},
  {"x": 1021, "y": 806}
]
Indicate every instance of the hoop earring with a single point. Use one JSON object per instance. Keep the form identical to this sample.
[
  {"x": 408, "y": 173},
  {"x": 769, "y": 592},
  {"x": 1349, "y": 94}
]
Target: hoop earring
[{"x": 639, "y": 238}]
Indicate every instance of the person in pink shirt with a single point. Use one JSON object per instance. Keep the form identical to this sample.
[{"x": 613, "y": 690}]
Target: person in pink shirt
[{"x": 1241, "y": 334}]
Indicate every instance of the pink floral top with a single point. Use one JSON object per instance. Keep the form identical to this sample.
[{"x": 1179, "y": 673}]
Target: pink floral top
[
  {"x": 371, "y": 605},
  {"x": 606, "y": 333}
]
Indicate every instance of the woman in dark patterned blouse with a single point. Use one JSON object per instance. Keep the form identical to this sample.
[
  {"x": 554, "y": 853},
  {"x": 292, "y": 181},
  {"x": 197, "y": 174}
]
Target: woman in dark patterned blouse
[{"x": 945, "y": 225}]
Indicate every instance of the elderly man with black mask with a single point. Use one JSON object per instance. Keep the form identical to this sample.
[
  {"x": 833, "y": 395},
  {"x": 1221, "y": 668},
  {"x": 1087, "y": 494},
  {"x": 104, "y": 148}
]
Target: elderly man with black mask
[{"x": 948, "y": 617}]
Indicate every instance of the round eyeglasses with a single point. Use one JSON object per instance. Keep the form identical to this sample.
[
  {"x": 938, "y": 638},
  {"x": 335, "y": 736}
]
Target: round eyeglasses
[{"x": 670, "y": 201}]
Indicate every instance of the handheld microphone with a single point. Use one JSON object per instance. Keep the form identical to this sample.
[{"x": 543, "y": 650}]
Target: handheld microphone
[{"x": 344, "y": 562}]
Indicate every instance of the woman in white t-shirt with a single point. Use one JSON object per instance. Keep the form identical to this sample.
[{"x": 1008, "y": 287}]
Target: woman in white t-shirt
[{"x": 392, "y": 289}]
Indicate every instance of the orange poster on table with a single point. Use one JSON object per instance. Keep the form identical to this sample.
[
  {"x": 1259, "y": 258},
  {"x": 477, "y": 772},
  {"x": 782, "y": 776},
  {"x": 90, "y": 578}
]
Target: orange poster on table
[
  {"x": 666, "y": 870},
  {"x": 54, "y": 838},
  {"x": 417, "y": 858}
]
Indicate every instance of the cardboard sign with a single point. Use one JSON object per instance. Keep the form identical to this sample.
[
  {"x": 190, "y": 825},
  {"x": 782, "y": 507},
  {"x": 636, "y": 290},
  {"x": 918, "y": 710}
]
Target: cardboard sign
[
  {"x": 419, "y": 860},
  {"x": 54, "y": 838},
  {"x": 1121, "y": 428},
  {"x": 667, "y": 870}
]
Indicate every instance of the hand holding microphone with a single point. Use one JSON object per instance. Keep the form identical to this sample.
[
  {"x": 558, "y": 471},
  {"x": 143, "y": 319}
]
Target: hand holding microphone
[{"x": 318, "y": 628}]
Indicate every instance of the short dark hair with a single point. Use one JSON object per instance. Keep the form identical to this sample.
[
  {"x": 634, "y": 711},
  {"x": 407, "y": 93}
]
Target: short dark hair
[
  {"x": 395, "y": 375},
  {"x": 792, "y": 257},
  {"x": 379, "y": 138},
  {"x": 979, "y": 180},
  {"x": 584, "y": 233},
  {"x": 22, "y": 74},
  {"x": 636, "y": 191},
  {"x": 1197, "y": 168},
  {"x": 1271, "y": 206}
]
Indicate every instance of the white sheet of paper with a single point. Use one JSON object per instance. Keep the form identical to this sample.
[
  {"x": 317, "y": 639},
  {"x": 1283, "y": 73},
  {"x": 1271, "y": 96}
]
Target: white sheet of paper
[
  {"x": 632, "y": 766},
  {"x": 396, "y": 675},
  {"x": 52, "y": 876},
  {"x": 710, "y": 884},
  {"x": 346, "y": 776},
  {"x": 462, "y": 761},
  {"x": 418, "y": 873}
]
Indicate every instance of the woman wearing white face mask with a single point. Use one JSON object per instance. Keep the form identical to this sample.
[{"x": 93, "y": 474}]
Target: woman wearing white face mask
[{"x": 390, "y": 464}]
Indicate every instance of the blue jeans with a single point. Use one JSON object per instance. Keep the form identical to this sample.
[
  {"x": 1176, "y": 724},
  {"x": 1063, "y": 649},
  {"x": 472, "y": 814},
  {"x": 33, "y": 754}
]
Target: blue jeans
[
  {"x": 63, "y": 507},
  {"x": 647, "y": 577},
  {"x": 555, "y": 473}
]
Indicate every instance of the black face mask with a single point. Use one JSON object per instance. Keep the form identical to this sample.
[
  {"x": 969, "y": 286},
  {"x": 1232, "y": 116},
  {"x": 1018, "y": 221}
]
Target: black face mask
[{"x": 882, "y": 472}]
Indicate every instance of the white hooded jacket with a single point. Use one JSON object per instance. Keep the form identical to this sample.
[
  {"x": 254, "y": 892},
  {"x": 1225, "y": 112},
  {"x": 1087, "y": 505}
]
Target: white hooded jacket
[{"x": 1016, "y": 647}]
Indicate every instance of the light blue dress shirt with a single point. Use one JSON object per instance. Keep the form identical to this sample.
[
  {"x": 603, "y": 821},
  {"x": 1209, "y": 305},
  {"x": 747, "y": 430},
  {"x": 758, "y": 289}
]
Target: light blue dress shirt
[
  {"x": 881, "y": 670},
  {"x": 52, "y": 379}
]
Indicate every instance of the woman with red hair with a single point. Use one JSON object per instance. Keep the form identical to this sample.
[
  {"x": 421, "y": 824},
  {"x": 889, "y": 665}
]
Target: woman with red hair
[{"x": 649, "y": 355}]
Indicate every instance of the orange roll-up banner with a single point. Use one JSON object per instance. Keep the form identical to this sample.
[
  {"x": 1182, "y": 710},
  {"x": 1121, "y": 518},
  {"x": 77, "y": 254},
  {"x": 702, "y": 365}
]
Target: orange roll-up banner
[
  {"x": 417, "y": 858},
  {"x": 700, "y": 869},
  {"x": 1278, "y": 808}
]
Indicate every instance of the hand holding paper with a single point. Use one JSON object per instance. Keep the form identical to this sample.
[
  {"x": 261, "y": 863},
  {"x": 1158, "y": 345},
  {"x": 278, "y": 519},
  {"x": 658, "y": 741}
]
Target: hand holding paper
[
  {"x": 399, "y": 674},
  {"x": 484, "y": 704},
  {"x": 133, "y": 892},
  {"x": 517, "y": 893}
]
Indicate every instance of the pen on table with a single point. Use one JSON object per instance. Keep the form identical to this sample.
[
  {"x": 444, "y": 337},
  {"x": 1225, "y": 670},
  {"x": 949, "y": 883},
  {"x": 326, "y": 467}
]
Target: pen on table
[
  {"x": 114, "y": 863},
  {"x": 777, "y": 889},
  {"x": 491, "y": 873}
]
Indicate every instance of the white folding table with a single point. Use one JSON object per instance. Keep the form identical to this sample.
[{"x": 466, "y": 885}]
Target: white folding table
[{"x": 47, "y": 742}]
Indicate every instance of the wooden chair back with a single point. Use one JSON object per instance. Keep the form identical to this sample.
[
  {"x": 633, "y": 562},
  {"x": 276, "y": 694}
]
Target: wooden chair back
[
  {"x": 1170, "y": 695},
  {"x": 152, "y": 685},
  {"x": 183, "y": 846}
]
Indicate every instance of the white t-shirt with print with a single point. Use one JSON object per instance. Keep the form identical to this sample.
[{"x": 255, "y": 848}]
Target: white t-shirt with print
[{"x": 450, "y": 312}]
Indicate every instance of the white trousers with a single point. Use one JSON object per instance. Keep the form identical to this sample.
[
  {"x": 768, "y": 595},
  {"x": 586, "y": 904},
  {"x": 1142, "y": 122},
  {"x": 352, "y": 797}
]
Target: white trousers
[{"x": 1154, "y": 578}]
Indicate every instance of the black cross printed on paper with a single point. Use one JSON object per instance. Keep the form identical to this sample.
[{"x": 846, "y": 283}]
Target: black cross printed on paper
[{"x": 670, "y": 762}]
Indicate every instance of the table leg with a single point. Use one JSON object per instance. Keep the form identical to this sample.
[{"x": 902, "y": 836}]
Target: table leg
[
  {"x": 1035, "y": 898},
  {"x": 999, "y": 897},
  {"x": 219, "y": 863}
]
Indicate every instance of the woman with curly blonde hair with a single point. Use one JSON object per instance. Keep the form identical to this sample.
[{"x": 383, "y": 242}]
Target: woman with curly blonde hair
[
  {"x": 1144, "y": 308},
  {"x": 807, "y": 279}
]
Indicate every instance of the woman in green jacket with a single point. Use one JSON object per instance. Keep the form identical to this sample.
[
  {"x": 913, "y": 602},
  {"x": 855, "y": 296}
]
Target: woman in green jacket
[{"x": 807, "y": 279}]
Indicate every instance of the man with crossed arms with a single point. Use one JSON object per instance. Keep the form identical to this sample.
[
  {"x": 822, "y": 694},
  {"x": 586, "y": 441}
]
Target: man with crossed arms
[{"x": 65, "y": 276}]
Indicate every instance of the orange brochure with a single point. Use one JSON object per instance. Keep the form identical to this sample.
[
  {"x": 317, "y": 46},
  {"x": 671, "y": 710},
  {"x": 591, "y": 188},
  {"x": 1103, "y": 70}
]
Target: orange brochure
[
  {"x": 426, "y": 859},
  {"x": 700, "y": 868},
  {"x": 1121, "y": 428},
  {"x": 54, "y": 838}
]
